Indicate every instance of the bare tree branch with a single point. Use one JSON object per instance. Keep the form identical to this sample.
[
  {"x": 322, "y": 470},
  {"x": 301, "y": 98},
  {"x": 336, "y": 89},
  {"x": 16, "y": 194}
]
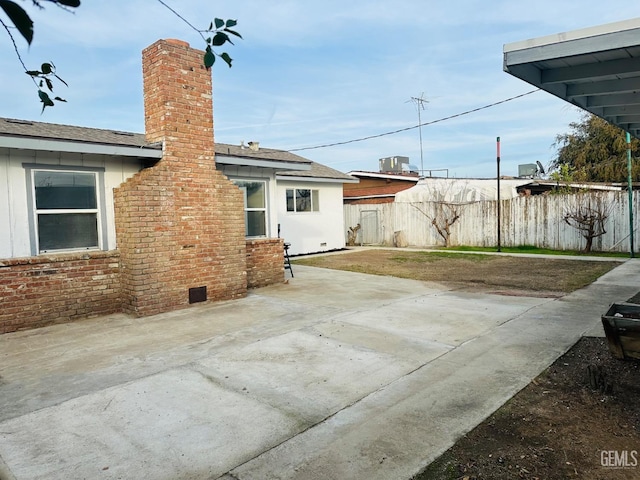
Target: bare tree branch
[{"x": 588, "y": 216}]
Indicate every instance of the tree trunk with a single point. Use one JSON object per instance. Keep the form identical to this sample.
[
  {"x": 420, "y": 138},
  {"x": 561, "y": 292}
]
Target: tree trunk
[{"x": 587, "y": 248}]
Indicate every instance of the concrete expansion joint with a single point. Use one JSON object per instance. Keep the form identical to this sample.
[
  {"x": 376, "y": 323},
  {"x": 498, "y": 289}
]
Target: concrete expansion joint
[
  {"x": 228, "y": 476},
  {"x": 330, "y": 416},
  {"x": 525, "y": 312},
  {"x": 295, "y": 303},
  {"x": 193, "y": 366}
]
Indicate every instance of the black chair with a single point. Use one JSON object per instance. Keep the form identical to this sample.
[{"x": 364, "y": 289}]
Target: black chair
[{"x": 287, "y": 260}]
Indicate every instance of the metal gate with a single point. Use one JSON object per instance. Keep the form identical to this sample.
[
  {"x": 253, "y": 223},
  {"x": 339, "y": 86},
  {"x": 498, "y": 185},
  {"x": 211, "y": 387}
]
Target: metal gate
[{"x": 370, "y": 232}]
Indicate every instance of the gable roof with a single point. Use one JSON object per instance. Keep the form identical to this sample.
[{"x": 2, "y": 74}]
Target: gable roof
[
  {"x": 29, "y": 135},
  {"x": 241, "y": 151},
  {"x": 17, "y": 133},
  {"x": 317, "y": 172},
  {"x": 28, "y": 128},
  {"x": 241, "y": 155}
]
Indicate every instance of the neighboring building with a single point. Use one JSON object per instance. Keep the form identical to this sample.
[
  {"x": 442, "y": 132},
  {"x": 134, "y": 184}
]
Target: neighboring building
[
  {"x": 375, "y": 188},
  {"x": 310, "y": 212},
  {"x": 97, "y": 221},
  {"x": 461, "y": 190},
  {"x": 541, "y": 187}
]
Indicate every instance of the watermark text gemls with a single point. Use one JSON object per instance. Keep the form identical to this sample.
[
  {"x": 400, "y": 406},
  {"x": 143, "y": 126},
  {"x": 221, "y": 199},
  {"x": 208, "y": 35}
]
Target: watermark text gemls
[{"x": 619, "y": 458}]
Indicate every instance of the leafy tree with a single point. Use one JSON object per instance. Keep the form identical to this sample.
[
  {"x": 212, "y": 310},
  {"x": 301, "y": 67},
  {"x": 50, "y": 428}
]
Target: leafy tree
[
  {"x": 565, "y": 177},
  {"x": 596, "y": 151},
  {"x": 24, "y": 25},
  {"x": 218, "y": 34}
]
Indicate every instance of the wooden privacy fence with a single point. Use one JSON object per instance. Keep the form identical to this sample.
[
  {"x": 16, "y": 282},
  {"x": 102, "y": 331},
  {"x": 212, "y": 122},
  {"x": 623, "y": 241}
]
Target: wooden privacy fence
[{"x": 536, "y": 220}]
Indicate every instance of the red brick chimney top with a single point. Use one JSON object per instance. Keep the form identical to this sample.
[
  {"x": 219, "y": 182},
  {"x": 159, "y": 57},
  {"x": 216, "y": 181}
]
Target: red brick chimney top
[{"x": 175, "y": 41}]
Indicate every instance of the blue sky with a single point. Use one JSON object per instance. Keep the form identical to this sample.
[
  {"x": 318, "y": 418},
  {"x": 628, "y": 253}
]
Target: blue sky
[{"x": 315, "y": 72}]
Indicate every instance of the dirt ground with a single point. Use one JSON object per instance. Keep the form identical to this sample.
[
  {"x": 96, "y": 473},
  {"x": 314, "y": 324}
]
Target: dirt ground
[
  {"x": 559, "y": 426},
  {"x": 498, "y": 274}
]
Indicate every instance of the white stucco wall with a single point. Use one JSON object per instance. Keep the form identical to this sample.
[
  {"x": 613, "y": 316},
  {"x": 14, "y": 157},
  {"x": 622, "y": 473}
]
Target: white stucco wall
[
  {"x": 15, "y": 238},
  {"x": 235, "y": 172},
  {"x": 310, "y": 232}
]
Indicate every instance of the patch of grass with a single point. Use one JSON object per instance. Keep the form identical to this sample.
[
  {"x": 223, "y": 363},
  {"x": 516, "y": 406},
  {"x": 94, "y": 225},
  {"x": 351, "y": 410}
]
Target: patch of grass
[
  {"x": 309, "y": 261},
  {"x": 535, "y": 250},
  {"x": 430, "y": 257}
]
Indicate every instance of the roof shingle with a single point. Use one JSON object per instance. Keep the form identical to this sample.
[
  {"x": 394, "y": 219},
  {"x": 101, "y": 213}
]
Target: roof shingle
[
  {"x": 319, "y": 171},
  {"x": 12, "y": 127},
  {"x": 53, "y": 131}
]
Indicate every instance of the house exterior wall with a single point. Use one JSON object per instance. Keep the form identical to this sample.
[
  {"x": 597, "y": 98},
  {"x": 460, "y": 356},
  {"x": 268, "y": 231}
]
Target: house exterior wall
[
  {"x": 16, "y": 240},
  {"x": 180, "y": 223},
  {"x": 310, "y": 232},
  {"x": 43, "y": 290},
  {"x": 167, "y": 229}
]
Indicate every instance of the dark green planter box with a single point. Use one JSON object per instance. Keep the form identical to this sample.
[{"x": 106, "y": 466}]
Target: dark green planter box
[{"x": 622, "y": 327}]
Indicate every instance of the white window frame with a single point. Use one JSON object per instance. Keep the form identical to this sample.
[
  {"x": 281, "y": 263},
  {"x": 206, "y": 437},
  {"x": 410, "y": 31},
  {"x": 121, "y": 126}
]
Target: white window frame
[
  {"x": 314, "y": 197},
  {"x": 35, "y": 212},
  {"x": 264, "y": 209}
]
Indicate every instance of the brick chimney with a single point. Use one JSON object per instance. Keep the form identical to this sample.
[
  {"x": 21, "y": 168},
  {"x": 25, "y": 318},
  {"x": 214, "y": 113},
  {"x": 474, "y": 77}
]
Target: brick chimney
[{"x": 179, "y": 224}]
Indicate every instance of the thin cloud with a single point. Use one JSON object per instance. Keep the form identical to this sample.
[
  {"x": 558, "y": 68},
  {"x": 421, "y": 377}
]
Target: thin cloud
[{"x": 315, "y": 72}]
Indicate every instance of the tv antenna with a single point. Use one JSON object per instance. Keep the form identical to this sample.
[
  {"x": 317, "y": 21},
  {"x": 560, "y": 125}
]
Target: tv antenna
[{"x": 420, "y": 101}]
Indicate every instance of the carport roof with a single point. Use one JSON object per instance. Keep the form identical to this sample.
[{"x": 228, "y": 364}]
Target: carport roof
[{"x": 596, "y": 68}]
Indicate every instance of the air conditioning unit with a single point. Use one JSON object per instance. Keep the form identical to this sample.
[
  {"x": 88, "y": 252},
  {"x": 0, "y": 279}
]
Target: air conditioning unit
[
  {"x": 393, "y": 164},
  {"x": 527, "y": 170}
]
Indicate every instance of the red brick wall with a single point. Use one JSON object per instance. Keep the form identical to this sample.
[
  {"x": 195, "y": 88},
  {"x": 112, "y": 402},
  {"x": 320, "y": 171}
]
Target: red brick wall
[
  {"x": 180, "y": 223},
  {"x": 375, "y": 186},
  {"x": 265, "y": 262},
  {"x": 369, "y": 201},
  {"x": 43, "y": 290}
]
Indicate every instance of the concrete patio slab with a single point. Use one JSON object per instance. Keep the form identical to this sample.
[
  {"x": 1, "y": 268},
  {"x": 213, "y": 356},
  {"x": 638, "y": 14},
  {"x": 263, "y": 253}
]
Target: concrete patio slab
[
  {"x": 333, "y": 375},
  {"x": 289, "y": 370},
  {"x": 158, "y": 427}
]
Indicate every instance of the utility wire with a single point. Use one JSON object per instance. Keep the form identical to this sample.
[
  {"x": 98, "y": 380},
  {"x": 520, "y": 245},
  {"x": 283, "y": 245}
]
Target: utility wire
[
  {"x": 181, "y": 17},
  {"x": 326, "y": 145}
]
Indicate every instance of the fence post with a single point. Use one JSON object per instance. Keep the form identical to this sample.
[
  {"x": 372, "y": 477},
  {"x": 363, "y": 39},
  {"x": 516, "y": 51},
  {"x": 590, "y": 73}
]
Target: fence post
[
  {"x": 498, "y": 177},
  {"x": 630, "y": 187}
]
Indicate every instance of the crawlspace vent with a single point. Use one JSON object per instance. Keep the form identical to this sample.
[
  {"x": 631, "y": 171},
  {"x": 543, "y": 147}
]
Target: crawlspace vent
[{"x": 197, "y": 294}]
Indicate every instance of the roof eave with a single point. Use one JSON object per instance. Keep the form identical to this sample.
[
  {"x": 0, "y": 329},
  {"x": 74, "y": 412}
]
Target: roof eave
[
  {"x": 408, "y": 178},
  {"x": 596, "y": 69},
  {"x": 262, "y": 163},
  {"x": 52, "y": 145},
  {"x": 365, "y": 197},
  {"x": 294, "y": 178}
]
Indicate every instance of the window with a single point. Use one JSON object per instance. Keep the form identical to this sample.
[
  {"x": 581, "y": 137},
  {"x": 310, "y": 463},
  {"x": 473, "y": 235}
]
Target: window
[
  {"x": 65, "y": 205},
  {"x": 255, "y": 207},
  {"x": 302, "y": 200}
]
